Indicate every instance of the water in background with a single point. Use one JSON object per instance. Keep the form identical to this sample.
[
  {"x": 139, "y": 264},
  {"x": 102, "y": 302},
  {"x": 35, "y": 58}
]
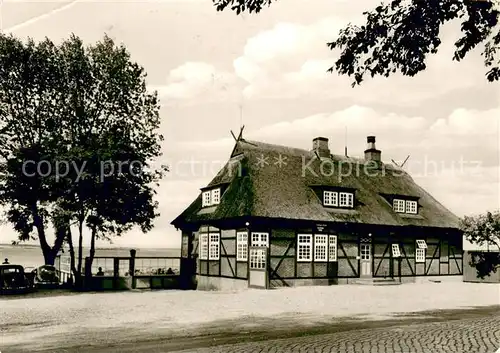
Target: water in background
[{"x": 31, "y": 255}]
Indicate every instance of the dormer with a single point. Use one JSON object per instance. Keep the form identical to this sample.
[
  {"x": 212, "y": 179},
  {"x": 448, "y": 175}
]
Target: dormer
[
  {"x": 211, "y": 196},
  {"x": 335, "y": 197},
  {"x": 403, "y": 203}
]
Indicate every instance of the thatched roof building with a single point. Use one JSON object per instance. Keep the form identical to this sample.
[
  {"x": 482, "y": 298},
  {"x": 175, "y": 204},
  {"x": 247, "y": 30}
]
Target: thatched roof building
[{"x": 321, "y": 217}]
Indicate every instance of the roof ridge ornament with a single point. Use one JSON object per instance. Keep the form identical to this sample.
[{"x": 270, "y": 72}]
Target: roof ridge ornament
[{"x": 403, "y": 164}]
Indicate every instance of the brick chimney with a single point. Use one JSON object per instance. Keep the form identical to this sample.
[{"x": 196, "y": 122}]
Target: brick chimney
[
  {"x": 320, "y": 145},
  {"x": 371, "y": 152}
]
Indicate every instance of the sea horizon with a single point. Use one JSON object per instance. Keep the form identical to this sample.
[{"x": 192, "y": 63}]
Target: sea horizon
[
  {"x": 30, "y": 255},
  {"x": 97, "y": 247}
]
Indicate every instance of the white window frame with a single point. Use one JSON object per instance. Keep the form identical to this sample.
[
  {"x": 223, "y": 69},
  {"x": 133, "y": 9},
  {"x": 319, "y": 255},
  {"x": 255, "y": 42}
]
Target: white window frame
[
  {"x": 321, "y": 247},
  {"x": 365, "y": 255},
  {"x": 215, "y": 196},
  {"x": 396, "y": 252},
  {"x": 399, "y": 205},
  {"x": 257, "y": 259},
  {"x": 332, "y": 248},
  {"x": 304, "y": 241},
  {"x": 330, "y": 198},
  {"x": 203, "y": 245},
  {"x": 210, "y": 197},
  {"x": 411, "y": 207},
  {"x": 259, "y": 239},
  {"x": 346, "y": 199},
  {"x": 421, "y": 244},
  {"x": 213, "y": 246},
  {"x": 206, "y": 198},
  {"x": 419, "y": 255},
  {"x": 242, "y": 246}
]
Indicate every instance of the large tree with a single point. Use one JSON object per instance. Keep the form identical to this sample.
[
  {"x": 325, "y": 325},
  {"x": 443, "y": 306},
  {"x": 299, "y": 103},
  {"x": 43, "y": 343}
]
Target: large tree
[
  {"x": 113, "y": 132},
  {"x": 399, "y": 35},
  {"x": 30, "y": 98},
  {"x": 102, "y": 135},
  {"x": 484, "y": 229}
]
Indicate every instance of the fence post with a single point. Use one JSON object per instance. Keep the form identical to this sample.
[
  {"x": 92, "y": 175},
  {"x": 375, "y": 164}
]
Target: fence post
[
  {"x": 88, "y": 283},
  {"x": 131, "y": 269},
  {"x": 116, "y": 270}
]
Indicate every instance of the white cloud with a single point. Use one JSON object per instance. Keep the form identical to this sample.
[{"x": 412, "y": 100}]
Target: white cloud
[
  {"x": 284, "y": 48},
  {"x": 469, "y": 122},
  {"x": 196, "y": 80},
  {"x": 356, "y": 118},
  {"x": 295, "y": 59},
  {"x": 290, "y": 61}
]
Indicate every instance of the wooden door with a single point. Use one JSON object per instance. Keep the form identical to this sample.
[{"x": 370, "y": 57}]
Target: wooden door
[
  {"x": 258, "y": 273},
  {"x": 365, "y": 260}
]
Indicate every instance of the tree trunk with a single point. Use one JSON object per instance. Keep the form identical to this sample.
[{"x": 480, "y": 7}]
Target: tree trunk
[
  {"x": 48, "y": 256},
  {"x": 76, "y": 274},
  {"x": 80, "y": 246},
  {"x": 92, "y": 250},
  {"x": 49, "y": 253}
]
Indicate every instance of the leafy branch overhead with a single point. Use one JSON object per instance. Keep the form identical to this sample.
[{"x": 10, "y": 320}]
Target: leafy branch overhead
[{"x": 398, "y": 36}]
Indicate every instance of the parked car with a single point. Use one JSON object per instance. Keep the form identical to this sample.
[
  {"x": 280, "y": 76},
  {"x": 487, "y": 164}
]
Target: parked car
[
  {"x": 45, "y": 276},
  {"x": 13, "y": 280}
]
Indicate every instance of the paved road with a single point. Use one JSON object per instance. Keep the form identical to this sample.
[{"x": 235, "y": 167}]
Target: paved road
[
  {"x": 460, "y": 336},
  {"x": 456, "y": 331}
]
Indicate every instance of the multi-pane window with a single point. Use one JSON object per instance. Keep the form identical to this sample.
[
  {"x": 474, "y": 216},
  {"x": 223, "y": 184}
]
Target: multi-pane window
[
  {"x": 421, "y": 244},
  {"x": 365, "y": 251},
  {"x": 405, "y": 206},
  {"x": 332, "y": 248},
  {"x": 260, "y": 239},
  {"x": 206, "y": 199},
  {"x": 395, "y": 250},
  {"x": 215, "y": 196},
  {"x": 321, "y": 247},
  {"x": 324, "y": 246},
  {"x": 304, "y": 247},
  {"x": 241, "y": 246},
  {"x": 420, "y": 250},
  {"x": 420, "y": 255},
  {"x": 203, "y": 246},
  {"x": 346, "y": 199},
  {"x": 330, "y": 198},
  {"x": 258, "y": 258},
  {"x": 341, "y": 199},
  {"x": 214, "y": 246},
  {"x": 411, "y": 207},
  {"x": 210, "y": 197},
  {"x": 399, "y": 205}
]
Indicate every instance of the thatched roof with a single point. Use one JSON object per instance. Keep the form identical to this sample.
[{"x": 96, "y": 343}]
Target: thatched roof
[{"x": 254, "y": 188}]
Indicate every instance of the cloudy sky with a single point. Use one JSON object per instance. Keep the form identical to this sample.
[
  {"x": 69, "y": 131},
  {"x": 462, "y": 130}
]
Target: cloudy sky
[{"x": 215, "y": 71}]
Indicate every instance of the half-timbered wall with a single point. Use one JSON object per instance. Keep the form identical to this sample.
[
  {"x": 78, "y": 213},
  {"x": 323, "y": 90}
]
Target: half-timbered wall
[
  {"x": 226, "y": 265},
  {"x": 284, "y": 267},
  {"x": 443, "y": 256}
]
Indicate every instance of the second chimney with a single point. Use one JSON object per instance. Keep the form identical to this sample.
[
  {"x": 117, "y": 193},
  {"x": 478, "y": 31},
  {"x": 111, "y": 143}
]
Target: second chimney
[
  {"x": 320, "y": 146},
  {"x": 371, "y": 152}
]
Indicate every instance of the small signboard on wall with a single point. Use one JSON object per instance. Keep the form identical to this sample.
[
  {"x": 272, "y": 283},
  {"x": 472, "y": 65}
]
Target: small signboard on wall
[{"x": 320, "y": 227}]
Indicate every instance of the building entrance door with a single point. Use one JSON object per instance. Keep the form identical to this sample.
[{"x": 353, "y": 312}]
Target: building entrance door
[{"x": 366, "y": 260}]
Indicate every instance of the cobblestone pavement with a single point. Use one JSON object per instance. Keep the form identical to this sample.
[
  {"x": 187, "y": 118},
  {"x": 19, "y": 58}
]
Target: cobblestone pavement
[
  {"x": 457, "y": 336},
  {"x": 466, "y": 330}
]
